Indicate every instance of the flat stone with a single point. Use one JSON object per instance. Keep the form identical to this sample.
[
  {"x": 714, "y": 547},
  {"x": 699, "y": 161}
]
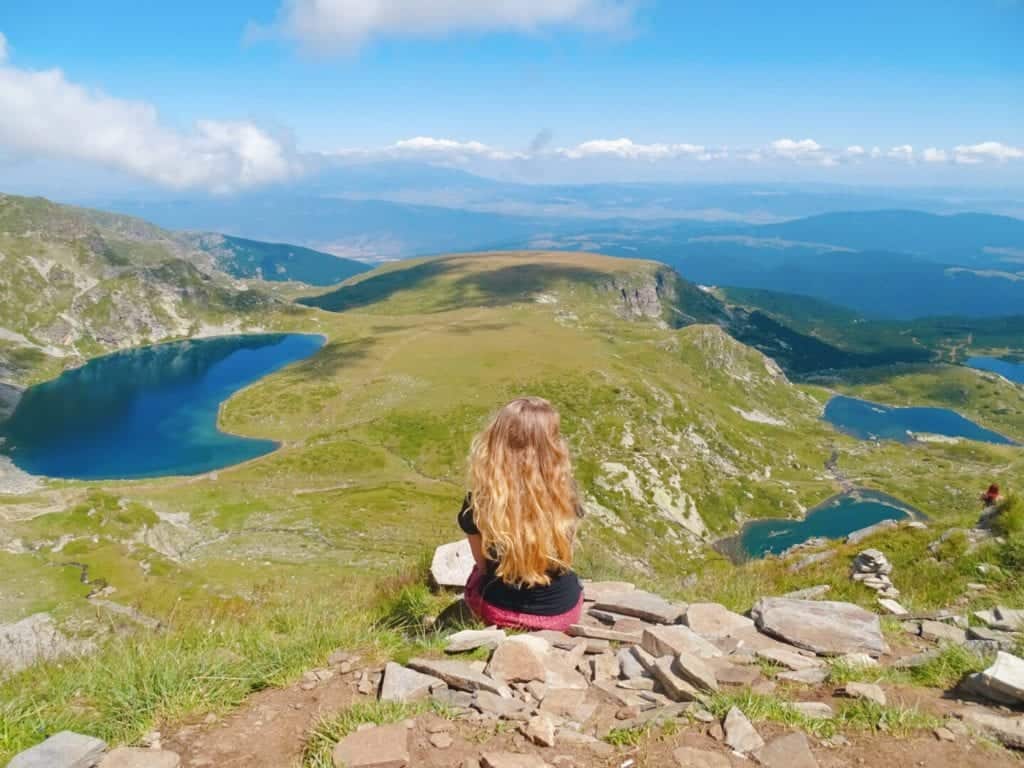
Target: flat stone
[
  {"x": 858, "y": 536},
  {"x": 1001, "y": 641},
  {"x": 471, "y": 639},
  {"x": 560, "y": 670},
  {"x": 892, "y": 607},
  {"x": 505, "y": 709},
  {"x": 598, "y": 748},
  {"x": 1008, "y": 731},
  {"x": 629, "y": 665},
  {"x": 944, "y": 734},
  {"x": 815, "y": 710},
  {"x": 734, "y": 675},
  {"x": 861, "y": 660},
  {"x": 569, "y": 703},
  {"x": 805, "y": 676},
  {"x": 789, "y": 751},
  {"x": 637, "y": 684},
  {"x": 675, "y": 639},
  {"x": 452, "y": 564},
  {"x": 460, "y": 675},
  {"x": 917, "y": 659},
  {"x": 136, "y": 757},
  {"x": 511, "y": 760},
  {"x": 540, "y": 730},
  {"x": 596, "y": 590},
  {"x": 940, "y": 632},
  {"x": 687, "y": 757},
  {"x": 695, "y": 671},
  {"x": 641, "y": 605},
  {"x": 810, "y": 593},
  {"x": 676, "y": 687},
  {"x": 1002, "y": 682},
  {"x": 603, "y": 633},
  {"x": 713, "y": 620},
  {"x": 441, "y": 740},
  {"x": 62, "y": 750},
  {"x": 789, "y": 659},
  {"x": 1008, "y": 619},
  {"x": 383, "y": 746},
  {"x": 519, "y": 659},
  {"x": 452, "y": 699},
  {"x": 864, "y": 692},
  {"x": 603, "y": 666},
  {"x": 825, "y": 627},
  {"x": 403, "y": 684},
  {"x": 740, "y": 733}
]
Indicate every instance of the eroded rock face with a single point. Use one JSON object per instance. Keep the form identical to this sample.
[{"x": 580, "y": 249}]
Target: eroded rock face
[{"x": 825, "y": 627}]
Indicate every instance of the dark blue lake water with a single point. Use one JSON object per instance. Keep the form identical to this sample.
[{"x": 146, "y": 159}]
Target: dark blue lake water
[
  {"x": 833, "y": 519},
  {"x": 146, "y": 412},
  {"x": 1005, "y": 368},
  {"x": 872, "y": 421}
]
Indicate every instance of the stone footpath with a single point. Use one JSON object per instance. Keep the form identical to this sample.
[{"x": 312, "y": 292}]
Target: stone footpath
[{"x": 636, "y": 659}]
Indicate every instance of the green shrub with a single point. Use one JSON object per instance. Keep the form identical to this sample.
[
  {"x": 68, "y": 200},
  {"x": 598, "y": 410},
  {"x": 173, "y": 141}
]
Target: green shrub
[{"x": 1009, "y": 520}]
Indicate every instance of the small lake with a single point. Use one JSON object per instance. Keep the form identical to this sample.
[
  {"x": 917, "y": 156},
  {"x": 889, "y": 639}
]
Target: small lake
[
  {"x": 833, "y": 519},
  {"x": 873, "y": 421},
  {"x": 146, "y": 412},
  {"x": 1005, "y": 368}
]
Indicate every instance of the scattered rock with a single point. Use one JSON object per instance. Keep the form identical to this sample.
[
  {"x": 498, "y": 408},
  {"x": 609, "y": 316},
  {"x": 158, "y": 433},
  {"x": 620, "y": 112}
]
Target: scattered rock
[
  {"x": 602, "y": 633},
  {"x": 892, "y": 607},
  {"x": 641, "y": 605},
  {"x": 568, "y": 703},
  {"x": 452, "y": 564},
  {"x": 789, "y": 751},
  {"x": 860, "y": 660},
  {"x": 402, "y": 684},
  {"x": 825, "y": 627},
  {"x": 994, "y": 638},
  {"x": 687, "y": 757},
  {"x": 382, "y": 746},
  {"x": 629, "y": 664},
  {"x": 503, "y": 708},
  {"x": 460, "y": 675},
  {"x": 62, "y": 750},
  {"x": 594, "y": 591},
  {"x": 735, "y": 675},
  {"x": 1008, "y": 731},
  {"x": 740, "y": 734},
  {"x": 569, "y": 737},
  {"x": 944, "y": 734},
  {"x": 858, "y": 536},
  {"x": 816, "y": 710},
  {"x": 135, "y": 757},
  {"x": 864, "y": 691},
  {"x": 692, "y": 669},
  {"x": 940, "y": 632},
  {"x": 789, "y": 659},
  {"x": 519, "y": 659},
  {"x": 510, "y": 760},
  {"x": 676, "y": 687},
  {"x": 813, "y": 559},
  {"x": 806, "y": 676},
  {"x": 471, "y": 639},
  {"x": 1003, "y": 682},
  {"x": 541, "y": 731}
]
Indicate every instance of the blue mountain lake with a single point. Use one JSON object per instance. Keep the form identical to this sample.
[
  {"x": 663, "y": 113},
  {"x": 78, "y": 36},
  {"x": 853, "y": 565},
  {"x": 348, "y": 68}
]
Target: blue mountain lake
[
  {"x": 832, "y": 519},
  {"x": 146, "y": 412},
  {"x": 872, "y": 421},
  {"x": 1005, "y": 368}
]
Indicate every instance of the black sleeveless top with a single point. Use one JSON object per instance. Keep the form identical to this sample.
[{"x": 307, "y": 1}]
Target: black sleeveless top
[{"x": 558, "y": 597}]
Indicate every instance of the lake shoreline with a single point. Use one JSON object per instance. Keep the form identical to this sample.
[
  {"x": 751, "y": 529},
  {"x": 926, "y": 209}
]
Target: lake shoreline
[{"x": 732, "y": 547}]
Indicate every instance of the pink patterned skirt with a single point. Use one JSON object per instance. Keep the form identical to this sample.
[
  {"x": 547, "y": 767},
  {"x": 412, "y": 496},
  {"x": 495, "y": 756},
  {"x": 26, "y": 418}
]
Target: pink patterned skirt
[{"x": 500, "y": 617}]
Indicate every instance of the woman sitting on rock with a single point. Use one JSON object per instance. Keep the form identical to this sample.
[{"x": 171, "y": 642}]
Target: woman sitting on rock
[{"x": 520, "y": 518}]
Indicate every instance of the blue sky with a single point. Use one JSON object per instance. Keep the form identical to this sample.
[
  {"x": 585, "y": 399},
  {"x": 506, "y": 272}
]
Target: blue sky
[{"x": 869, "y": 92}]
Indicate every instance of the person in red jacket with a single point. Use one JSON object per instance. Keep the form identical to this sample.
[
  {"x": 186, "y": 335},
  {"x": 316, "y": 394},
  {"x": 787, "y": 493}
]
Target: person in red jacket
[{"x": 991, "y": 496}]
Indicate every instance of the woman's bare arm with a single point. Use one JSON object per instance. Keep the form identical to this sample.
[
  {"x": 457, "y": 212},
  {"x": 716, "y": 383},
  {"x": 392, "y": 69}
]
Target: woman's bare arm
[{"x": 476, "y": 544}]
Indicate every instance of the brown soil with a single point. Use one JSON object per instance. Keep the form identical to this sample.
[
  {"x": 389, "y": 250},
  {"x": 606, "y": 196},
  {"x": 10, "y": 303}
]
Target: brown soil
[{"x": 270, "y": 729}]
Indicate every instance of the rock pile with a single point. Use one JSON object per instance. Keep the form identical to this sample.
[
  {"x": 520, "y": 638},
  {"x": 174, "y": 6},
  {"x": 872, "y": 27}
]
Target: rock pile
[{"x": 873, "y": 569}]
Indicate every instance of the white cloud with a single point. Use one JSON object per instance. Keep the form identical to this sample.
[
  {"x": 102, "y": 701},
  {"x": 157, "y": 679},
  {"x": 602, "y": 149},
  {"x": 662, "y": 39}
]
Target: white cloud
[
  {"x": 627, "y": 149},
  {"x": 934, "y": 155},
  {"x": 450, "y": 147},
  {"x": 802, "y": 151},
  {"x": 904, "y": 152},
  {"x": 3, "y": 48},
  {"x": 986, "y": 150},
  {"x": 42, "y": 113},
  {"x": 344, "y": 25}
]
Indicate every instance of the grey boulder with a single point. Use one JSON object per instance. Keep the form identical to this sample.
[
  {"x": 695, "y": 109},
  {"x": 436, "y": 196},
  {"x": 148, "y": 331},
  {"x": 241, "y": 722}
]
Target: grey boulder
[{"x": 825, "y": 627}]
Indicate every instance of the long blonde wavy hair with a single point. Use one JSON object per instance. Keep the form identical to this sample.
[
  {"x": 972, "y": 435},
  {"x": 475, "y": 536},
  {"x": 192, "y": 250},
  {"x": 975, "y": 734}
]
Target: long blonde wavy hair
[{"x": 524, "y": 497}]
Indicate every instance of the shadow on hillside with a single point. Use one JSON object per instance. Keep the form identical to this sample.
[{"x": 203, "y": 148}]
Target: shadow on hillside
[
  {"x": 332, "y": 358},
  {"x": 466, "y": 330},
  {"x": 485, "y": 288},
  {"x": 378, "y": 288},
  {"x": 519, "y": 282}
]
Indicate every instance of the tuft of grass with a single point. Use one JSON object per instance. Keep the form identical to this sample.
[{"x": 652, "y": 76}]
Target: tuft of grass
[
  {"x": 330, "y": 730},
  {"x": 947, "y": 669},
  {"x": 1009, "y": 520}
]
